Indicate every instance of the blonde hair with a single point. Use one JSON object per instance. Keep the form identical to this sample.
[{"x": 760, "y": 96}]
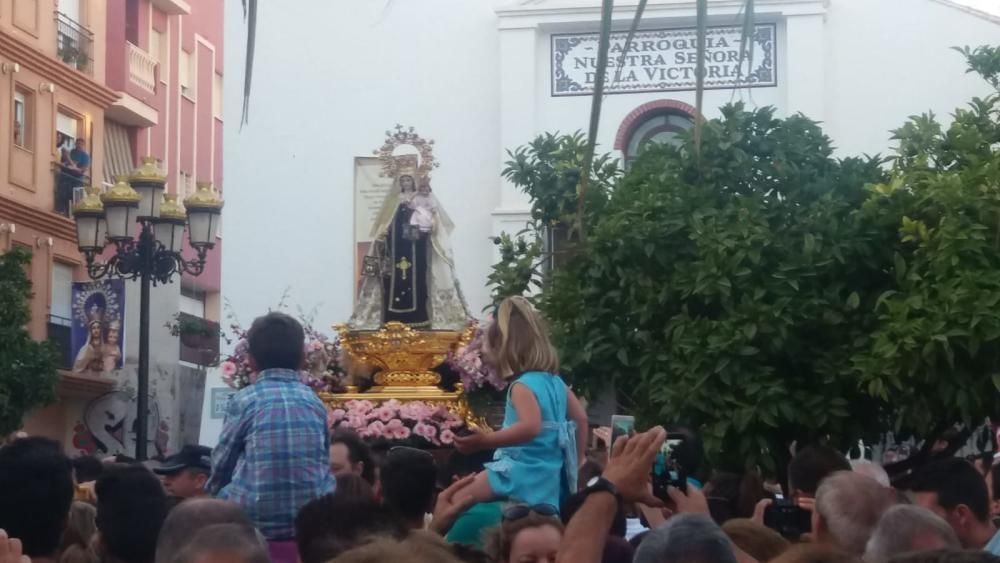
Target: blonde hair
[{"x": 519, "y": 341}]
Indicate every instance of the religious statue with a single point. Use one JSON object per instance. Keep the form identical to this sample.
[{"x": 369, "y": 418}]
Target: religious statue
[
  {"x": 90, "y": 357},
  {"x": 409, "y": 274},
  {"x": 97, "y": 327}
]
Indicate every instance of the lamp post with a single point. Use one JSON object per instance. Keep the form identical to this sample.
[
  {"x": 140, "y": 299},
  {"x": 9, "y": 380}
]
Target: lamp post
[{"x": 152, "y": 256}]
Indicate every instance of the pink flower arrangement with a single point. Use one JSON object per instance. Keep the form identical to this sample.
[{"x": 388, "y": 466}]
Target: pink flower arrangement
[
  {"x": 474, "y": 371},
  {"x": 414, "y": 422}
]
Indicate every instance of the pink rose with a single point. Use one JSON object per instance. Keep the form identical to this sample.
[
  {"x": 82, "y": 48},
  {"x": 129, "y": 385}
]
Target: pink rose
[
  {"x": 357, "y": 422},
  {"x": 228, "y": 369},
  {"x": 392, "y": 404},
  {"x": 373, "y": 430},
  {"x": 361, "y": 407},
  {"x": 396, "y": 430},
  {"x": 425, "y": 430},
  {"x": 338, "y": 414},
  {"x": 409, "y": 411},
  {"x": 385, "y": 414},
  {"x": 447, "y": 437}
]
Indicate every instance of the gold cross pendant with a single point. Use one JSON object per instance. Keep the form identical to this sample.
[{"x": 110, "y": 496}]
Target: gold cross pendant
[{"x": 403, "y": 265}]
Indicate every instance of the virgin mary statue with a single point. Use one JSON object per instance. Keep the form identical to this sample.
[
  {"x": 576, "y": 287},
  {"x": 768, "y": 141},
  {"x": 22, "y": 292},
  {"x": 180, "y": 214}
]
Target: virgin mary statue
[{"x": 410, "y": 270}]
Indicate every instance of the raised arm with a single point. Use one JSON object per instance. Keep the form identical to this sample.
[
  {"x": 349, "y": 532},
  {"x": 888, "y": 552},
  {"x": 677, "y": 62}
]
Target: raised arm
[
  {"x": 628, "y": 470},
  {"x": 528, "y": 425},
  {"x": 529, "y": 420}
]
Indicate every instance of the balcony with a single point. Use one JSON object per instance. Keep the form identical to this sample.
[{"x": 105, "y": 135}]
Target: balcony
[
  {"x": 141, "y": 68},
  {"x": 66, "y": 183},
  {"x": 199, "y": 339},
  {"x": 60, "y": 335},
  {"x": 74, "y": 44}
]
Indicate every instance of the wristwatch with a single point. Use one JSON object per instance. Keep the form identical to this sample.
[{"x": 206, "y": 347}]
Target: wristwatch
[{"x": 600, "y": 484}]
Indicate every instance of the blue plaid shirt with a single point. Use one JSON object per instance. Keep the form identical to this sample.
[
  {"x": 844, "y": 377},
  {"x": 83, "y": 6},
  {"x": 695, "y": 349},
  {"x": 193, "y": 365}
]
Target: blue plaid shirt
[{"x": 273, "y": 454}]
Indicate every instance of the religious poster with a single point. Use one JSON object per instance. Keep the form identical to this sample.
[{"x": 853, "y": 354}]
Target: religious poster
[
  {"x": 660, "y": 60},
  {"x": 370, "y": 189},
  {"x": 98, "y": 329}
]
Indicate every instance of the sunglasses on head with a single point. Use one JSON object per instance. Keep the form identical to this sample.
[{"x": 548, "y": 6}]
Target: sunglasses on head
[{"x": 518, "y": 511}]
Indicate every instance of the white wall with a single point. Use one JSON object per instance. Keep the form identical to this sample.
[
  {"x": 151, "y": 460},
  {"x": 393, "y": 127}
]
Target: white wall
[
  {"x": 889, "y": 59},
  {"x": 329, "y": 79}
]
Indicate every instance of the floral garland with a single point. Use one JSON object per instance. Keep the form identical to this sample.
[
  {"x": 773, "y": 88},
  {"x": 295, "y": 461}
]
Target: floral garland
[
  {"x": 414, "y": 422},
  {"x": 323, "y": 368},
  {"x": 474, "y": 372}
]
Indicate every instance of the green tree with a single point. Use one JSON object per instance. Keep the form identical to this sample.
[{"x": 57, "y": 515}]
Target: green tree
[
  {"x": 730, "y": 295},
  {"x": 935, "y": 353},
  {"x": 27, "y": 368}
]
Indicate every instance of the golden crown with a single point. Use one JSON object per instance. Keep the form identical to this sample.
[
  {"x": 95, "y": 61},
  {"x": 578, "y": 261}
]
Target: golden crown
[{"x": 393, "y": 165}]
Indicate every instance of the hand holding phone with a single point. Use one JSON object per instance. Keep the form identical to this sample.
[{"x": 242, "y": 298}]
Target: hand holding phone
[
  {"x": 621, "y": 425},
  {"x": 667, "y": 471}
]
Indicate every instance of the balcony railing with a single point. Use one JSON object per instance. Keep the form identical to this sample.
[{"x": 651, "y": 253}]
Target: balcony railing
[
  {"x": 60, "y": 335},
  {"x": 141, "y": 68},
  {"x": 74, "y": 44},
  {"x": 66, "y": 183}
]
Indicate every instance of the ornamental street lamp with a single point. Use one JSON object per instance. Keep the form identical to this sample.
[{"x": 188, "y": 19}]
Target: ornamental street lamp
[{"x": 152, "y": 257}]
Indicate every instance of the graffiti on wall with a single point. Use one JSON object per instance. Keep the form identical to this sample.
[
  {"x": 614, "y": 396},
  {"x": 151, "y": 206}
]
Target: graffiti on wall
[{"x": 109, "y": 426}]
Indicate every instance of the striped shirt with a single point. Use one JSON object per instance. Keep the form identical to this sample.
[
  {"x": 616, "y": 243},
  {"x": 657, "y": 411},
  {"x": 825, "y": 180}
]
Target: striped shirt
[{"x": 273, "y": 455}]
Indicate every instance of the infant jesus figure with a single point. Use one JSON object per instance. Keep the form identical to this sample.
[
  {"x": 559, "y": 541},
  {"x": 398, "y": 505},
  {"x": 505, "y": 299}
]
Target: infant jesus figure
[{"x": 424, "y": 207}]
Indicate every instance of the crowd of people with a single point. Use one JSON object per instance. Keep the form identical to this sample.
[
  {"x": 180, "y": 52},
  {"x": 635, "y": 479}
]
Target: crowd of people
[{"x": 281, "y": 487}]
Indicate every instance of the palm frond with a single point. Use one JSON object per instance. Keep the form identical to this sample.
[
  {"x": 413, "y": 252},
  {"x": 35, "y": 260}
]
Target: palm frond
[
  {"x": 699, "y": 72},
  {"x": 636, "y": 20},
  {"x": 250, "y": 14},
  {"x": 595, "y": 110}
]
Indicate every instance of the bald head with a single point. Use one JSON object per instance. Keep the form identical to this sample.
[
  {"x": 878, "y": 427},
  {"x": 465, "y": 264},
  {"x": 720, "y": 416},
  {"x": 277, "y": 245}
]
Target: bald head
[
  {"x": 191, "y": 516},
  {"x": 848, "y": 508}
]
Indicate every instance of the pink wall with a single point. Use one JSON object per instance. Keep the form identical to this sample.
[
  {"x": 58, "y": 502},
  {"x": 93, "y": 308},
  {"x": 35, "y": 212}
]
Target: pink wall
[{"x": 183, "y": 138}]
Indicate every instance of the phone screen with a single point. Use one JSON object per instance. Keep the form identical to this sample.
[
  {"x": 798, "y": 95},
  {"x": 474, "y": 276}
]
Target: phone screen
[
  {"x": 667, "y": 472},
  {"x": 621, "y": 425}
]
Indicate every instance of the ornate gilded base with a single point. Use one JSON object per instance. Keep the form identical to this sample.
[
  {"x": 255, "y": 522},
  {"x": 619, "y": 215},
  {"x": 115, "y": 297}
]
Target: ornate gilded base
[{"x": 405, "y": 358}]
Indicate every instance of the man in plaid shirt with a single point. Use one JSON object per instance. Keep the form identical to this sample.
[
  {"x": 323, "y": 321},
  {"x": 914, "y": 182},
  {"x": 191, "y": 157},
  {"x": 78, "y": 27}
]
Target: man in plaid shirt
[{"x": 272, "y": 457}]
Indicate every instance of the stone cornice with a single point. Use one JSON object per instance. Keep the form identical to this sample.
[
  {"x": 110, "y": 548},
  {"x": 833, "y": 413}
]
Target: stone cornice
[
  {"x": 42, "y": 221},
  {"x": 538, "y": 13},
  {"x": 60, "y": 74}
]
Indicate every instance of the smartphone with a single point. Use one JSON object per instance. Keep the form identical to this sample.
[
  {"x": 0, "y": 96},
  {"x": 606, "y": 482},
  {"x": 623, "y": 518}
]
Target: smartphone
[
  {"x": 667, "y": 471},
  {"x": 787, "y": 518},
  {"x": 621, "y": 425}
]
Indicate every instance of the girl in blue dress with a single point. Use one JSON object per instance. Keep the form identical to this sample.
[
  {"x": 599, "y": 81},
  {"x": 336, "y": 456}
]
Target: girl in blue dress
[{"x": 542, "y": 442}]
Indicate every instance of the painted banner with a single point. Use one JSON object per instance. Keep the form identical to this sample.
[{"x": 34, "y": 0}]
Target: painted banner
[
  {"x": 370, "y": 188},
  {"x": 98, "y": 329},
  {"x": 660, "y": 60}
]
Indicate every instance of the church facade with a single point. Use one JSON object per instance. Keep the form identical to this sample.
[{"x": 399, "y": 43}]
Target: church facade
[{"x": 482, "y": 78}]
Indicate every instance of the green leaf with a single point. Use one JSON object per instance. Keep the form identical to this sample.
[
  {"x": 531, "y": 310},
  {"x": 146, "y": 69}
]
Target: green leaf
[{"x": 853, "y": 300}]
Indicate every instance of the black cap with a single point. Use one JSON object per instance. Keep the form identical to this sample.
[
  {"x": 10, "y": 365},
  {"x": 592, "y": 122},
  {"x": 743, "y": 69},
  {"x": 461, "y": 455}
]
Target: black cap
[{"x": 190, "y": 457}]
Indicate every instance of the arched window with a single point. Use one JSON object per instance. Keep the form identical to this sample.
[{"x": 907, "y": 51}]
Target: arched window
[
  {"x": 662, "y": 128},
  {"x": 661, "y": 121}
]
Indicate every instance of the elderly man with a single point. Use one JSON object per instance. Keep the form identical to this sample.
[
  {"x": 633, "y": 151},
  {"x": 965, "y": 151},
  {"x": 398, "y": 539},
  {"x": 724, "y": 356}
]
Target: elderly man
[
  {"x": 201, "y": 514},
  {"x": 908, "y": 529},
  {"x": 848, "y": 508},
  {"x": 686, "y": 538}
]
